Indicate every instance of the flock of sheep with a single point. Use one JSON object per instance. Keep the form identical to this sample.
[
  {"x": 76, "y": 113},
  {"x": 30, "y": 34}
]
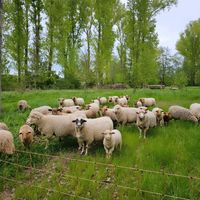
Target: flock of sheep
[{"x": 96, "y": 122}]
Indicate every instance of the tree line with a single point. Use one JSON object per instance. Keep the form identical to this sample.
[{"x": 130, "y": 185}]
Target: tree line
[{"x": 94, "y": 42}]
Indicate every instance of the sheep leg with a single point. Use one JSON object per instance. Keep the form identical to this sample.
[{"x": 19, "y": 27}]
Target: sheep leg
[
  {"x": 86, "y": 149},
  {"x": 140, "y": 130},
  {"x": 145, "y": 131},
  {"x": 107, "y": 153},
  {"x": 110, "y": 152}
]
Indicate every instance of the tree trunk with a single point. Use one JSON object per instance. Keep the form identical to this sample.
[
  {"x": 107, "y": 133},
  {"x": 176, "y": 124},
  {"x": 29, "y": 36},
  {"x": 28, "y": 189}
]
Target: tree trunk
[{"x": 1, "y": 26}]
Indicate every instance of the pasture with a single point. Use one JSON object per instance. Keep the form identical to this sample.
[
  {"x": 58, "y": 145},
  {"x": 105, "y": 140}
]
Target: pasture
[{"x": 142, "y": 170}]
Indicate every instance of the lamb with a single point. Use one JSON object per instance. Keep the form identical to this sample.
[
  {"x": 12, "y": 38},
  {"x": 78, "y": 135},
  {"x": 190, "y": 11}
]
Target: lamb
[
  {"x": 78, "y": 101},
  {"x": 122, "y": 101},
  {"x": 125, "y": 115},
  {"x": 112, "y": 99},
  {"x": 65, "y": 102},
  {"x": 89, "y": 130},
  {"x": 110, "y": 113},
  {"x": 22, "y": 105},
  {"x": 102, "y": 100},
  {"x": 3, "y": 126},
  {"x": 147, "y": 101},
  {"x": 195, "y": 110},
  {"x": 49, "y": 125},
  {"x": 6, "y": 142},
  {"x": 112, "y": 139},
  {"x": 181, "y": 113},
  {"x": 159, "y": 116},
  {"x": 26, "y": 135},
  {"x": 145, "y": 120}
]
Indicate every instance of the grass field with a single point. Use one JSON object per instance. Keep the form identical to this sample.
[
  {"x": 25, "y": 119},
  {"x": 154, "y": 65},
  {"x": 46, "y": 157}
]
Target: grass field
[{"x": 173, "y": 149}]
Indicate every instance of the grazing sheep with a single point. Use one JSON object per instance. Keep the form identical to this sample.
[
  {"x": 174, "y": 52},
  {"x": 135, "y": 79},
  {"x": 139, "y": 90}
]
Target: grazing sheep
[
  {"x": 145, "y": 120},
  {"x": 64, "y": 110},
  {"x": 65, "y": 102},
  {"x": 195, "y": 110},
  {"x": 125, "y": 115},
  {"x": 42, "y": 109},
  {"x": 147, "y": 101},
  {"x": 181, "y": 113},
  {"x": 6, "y": 142},
  {"x": 89, "y": 130},
  {"x": 122, "y": 101},
  {"x": 112, "y": 99},
  {"x": 110, "y": 113},
  {"x": 26, "y": 135},
  {"x": 159, "y": 116},
  {"x": 78, "y": 101},
  {"x": 112, "y": 139},
  {"x": 102, "y": 100},
  {"x": 57, "y": 111},
  {"x": 167, "y": 117},
  {"x": 49, "y": 125},
  {"x": 3, "y": 126},
  {"x": 22, "y": 105}
]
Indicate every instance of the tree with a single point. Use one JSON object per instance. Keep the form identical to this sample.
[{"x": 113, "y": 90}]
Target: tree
[
  {"x": 189, "y": 47},
  {"x": 1, "y": 26}
]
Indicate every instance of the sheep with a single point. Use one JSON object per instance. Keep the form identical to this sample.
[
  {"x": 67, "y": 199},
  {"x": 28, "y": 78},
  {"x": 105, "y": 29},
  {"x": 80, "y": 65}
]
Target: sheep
[
  {"x": 112, "y": 139},
  {"x": 195, "y": 110},
  {"x": 42, "y": 109},
  {"x": 6, "y": 142},
  {"x": 125, "y": 115},
  {"x": 65, "y": 102},
  {"x": 138, "y": 104},
  {"x": 159, "y": 116},
  {"x": 22, "y": 105},
  {"x": 147, "y": 101},
  {"x": 181, "y": 113},
  {"x": 95, "y": 101},
  {"x": 112, "y": 99},
  {"x": 122, "y": 101},
  {"x": 3, "y": 126},
  {"x": 145, "y": 120},
  {"x": 110, "y": 113},
  {"x": 166, "y": 118},
  {"x": 26, "y": 135},
  {"x": 49, "y": 125},
  {"x": 89, "y": 130},
  {"x": 78, "y": 101},
  {"x": 94, "y": 109},
  {"x": 64, "y": 110},
  {"x": 102, "y": 100}
]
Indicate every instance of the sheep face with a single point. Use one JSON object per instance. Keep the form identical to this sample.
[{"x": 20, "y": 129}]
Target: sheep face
[
  {"x": 110, "y": 99},
  {"x": 141, "y": 114},
  {"x": 138, "y": 104},
  {"x": 79, "y": 123},
  {"x": 34, "y": 118},
  {"x": 108, "y": 135},
  {"x": 61, "y": 101},
  {"x": 117, "y": 109}
]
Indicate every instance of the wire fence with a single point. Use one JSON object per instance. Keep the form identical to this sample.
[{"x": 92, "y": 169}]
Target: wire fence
[{"x": 94, "y": 181}]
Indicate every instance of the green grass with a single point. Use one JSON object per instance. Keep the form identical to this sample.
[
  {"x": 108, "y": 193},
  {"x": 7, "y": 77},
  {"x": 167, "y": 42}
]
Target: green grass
[{"x": 173, "y": 149}]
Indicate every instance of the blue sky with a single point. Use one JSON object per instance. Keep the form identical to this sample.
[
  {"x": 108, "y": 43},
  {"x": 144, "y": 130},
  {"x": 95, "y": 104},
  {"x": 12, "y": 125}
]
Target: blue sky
[{"x": 171, "y": 23}]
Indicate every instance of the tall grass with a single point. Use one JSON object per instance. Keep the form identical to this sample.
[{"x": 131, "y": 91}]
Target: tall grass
[{"x": 173, "y": 149}]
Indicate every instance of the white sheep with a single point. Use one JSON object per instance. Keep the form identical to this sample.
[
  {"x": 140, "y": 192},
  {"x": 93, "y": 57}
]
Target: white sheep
[
  {"x": 43, "y": 109},
  {"x": 64, "y": 110},
  {"x": 110, "y": 113},
  {"x": 26, "y": 135},
  {"x": 122, "y": 101},
  {"x": 159, "y": 116},
  {"x": 125, "y": 114},
  {"x": 22, "y": 105},
  {"x": 138, "y": 104},
  {"x": 78, "y": 101},
  {"x": 112, "y": 99},
  {"x": 148, "y": 101},
  {"x": 3, "y": 126},
  {"x": 89, "y": 130},
  {"x": 181, "y": 113},
  {"x": 195, "y": 110},
  {"x": 102, "y": 100},
  {"x": 6, "y": 142},
  {"x": 145, "y": 120},
  {"x": 65, "y": 102},
  {"x": 53, "y": 125},
  {"x": 112, "y": 139},
  {"x": 94, "y": 109}
]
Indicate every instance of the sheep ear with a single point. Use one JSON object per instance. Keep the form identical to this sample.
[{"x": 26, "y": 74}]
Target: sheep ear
[
  {"x": 102, "y": 133},
  {"x": 112, "y": 132},
  {"x": 83, "y": 121},
  {"x": 59, "y": 109},
  {"x": 20, "y": 133},
  {"x": 137, "y": 112},
  {"x": 50, "y": 110},
  {"x": 74, "y": 120}
]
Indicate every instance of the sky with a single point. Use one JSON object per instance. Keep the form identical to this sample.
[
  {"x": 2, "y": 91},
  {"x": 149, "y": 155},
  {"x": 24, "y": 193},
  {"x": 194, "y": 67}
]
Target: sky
[{"x": 170, "y": 23}]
